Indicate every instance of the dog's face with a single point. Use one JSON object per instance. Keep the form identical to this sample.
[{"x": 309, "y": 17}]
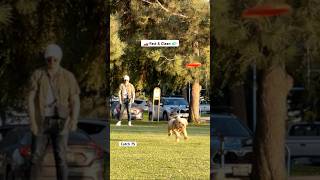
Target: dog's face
[
  {"x": 180, "y": 123},
  {"x": 177, "y": 126}
]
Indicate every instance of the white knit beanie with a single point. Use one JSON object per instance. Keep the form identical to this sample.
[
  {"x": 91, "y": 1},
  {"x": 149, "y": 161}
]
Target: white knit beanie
[
  {"x": 53, "y": 50},
  {"x": 126, "y": 77}
]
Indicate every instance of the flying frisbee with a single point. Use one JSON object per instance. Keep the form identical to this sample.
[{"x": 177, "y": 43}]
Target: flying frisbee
[
  {"x": 266, "y": 11},
  {"x": 194, "y": 64}
]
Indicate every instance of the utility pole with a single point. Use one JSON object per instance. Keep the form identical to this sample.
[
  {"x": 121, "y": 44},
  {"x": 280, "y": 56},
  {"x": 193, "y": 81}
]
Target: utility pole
[{"x": 254, "y": 97}]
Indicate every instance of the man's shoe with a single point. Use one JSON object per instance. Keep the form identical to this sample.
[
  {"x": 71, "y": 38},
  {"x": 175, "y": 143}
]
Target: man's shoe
[
  {"x": 129, "y": 123},
  {"x": 118, "y": 123}
]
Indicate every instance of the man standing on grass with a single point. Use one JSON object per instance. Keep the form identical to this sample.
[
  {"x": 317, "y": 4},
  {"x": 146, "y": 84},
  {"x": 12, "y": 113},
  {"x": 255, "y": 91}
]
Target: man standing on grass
[
  {"x": 54, "y": 106},
  {"x": 126, "y": 98}
]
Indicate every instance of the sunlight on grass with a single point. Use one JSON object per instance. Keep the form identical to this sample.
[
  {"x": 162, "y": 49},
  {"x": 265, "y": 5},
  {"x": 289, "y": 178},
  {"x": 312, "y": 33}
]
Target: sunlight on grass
[{"x": 158, "y": 156}]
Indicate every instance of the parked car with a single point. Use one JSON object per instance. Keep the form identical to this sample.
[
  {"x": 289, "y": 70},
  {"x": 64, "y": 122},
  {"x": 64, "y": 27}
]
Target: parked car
[
  {"x": 237, "y": 145},
  {"x": 143, "y": 104},
  {"x": 14, "y": 117},
  {"x": 85, "y": 158},
  {"x": 97, "y": 129},
  {"x": 204, "y": 107},
  {"x": 136, "y": 111},
  {"x": 114, "y": 98},
  {"x": 303, "y": 140},
  {"x": 170, "y": 106}
]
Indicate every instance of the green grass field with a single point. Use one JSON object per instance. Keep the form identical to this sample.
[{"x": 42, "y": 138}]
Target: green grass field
[{"x": 158, "y": 156}]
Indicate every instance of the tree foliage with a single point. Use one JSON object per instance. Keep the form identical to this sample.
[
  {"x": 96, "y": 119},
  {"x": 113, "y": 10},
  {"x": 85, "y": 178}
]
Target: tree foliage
[
  {"x": 186, "y": 21},
  {"x": 277, "y": 45},
  {"x": 116, "y": 45},
  {"x": 26, "y": 27}
]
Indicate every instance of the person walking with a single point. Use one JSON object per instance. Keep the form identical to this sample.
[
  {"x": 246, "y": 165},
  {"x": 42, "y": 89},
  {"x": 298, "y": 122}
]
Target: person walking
[
  {"x": 126, "y": 98},
  {"x": 53, "y": 105}
]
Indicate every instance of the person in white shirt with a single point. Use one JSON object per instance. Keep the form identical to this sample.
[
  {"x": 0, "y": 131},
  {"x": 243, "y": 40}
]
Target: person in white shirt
[{"x": 126, "y": 98}]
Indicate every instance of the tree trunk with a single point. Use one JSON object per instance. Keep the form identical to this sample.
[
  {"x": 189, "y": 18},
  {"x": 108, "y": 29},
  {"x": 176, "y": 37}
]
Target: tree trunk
[
  {"x": 195, "y": 102},
  {"x": 269, "y": 143}
]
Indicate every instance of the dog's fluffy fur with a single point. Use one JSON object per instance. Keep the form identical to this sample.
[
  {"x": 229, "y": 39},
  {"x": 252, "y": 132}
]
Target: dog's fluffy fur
[{"x": 177, "y": 126}]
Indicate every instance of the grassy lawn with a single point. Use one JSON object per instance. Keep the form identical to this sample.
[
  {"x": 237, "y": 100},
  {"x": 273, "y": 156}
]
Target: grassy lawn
[{"x": 158, "y": 156}]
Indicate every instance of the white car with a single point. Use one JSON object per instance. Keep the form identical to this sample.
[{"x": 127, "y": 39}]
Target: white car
[
  {"x": 170, "y": 106},
  {"x": 204, "y": 107},
  {"x": 303, "y": 140},
  {"x": 16, "y": 117}
]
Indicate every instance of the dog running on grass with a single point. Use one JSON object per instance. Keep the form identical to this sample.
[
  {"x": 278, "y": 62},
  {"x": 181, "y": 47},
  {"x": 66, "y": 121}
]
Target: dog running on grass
[{"x": 178, "y": 125}]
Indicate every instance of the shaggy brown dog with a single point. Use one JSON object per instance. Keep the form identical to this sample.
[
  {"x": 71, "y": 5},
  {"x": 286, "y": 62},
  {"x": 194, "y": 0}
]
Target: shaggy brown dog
[{"x": 178, "y": 126}]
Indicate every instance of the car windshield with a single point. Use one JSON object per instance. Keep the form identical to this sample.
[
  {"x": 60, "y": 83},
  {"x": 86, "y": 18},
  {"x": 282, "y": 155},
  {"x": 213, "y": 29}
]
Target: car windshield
[
  {"x": 205, "y": 102},
  {"x": 176, "y": 102},
  {"x": 79, "y": 137},
  {"x": 134, "y": 105},
  {"x": 139, "y": 101},
  {"x": 91, "y": 128},
  {"x": 305, "y": 130},
  {"x": 229, "y": 126}
]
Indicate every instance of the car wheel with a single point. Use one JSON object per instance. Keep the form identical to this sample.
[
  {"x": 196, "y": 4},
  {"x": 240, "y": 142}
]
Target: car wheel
[{"x": 165, "y": 116}]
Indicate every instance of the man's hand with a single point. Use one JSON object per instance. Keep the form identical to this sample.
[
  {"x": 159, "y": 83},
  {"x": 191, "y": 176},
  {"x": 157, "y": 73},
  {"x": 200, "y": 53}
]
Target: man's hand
[
  {"x": 31, "y": 111},
  {"x": 73, "y": 126},
  {"x": 34, "y": 129},
  {"x": 75, "y": 112}
]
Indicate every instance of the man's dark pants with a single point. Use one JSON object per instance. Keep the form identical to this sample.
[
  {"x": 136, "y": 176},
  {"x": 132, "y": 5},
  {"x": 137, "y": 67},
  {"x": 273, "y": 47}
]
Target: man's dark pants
[
  {"x": 125, "y": 105},
  {"x": 51, "y": 131}
]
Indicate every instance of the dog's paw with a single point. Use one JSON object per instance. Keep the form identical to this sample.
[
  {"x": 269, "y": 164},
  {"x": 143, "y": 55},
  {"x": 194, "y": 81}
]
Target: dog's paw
[
  {"x": 177, "y": 140},
  {"x": 186, "y": 138}
]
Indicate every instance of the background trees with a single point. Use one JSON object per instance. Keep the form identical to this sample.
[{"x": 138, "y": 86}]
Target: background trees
[{"x": 277, "y": 46}]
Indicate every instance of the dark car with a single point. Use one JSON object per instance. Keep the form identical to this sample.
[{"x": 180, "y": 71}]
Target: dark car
[
  {"x": 237, "y": 142},
  {"x": 136, "y": 111},
  {"x": 85, "y": 157},
  {"x": 97, "y": 129}
]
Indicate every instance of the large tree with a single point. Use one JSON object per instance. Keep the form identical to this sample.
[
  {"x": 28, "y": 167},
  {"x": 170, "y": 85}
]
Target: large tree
[{"x": 271, "y": 44}]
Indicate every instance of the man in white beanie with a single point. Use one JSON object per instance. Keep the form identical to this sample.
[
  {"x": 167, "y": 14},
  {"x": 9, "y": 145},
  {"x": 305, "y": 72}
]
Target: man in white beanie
[
  {"x": 126, "y": 98},
  {"x": 54, "y": 105}
]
